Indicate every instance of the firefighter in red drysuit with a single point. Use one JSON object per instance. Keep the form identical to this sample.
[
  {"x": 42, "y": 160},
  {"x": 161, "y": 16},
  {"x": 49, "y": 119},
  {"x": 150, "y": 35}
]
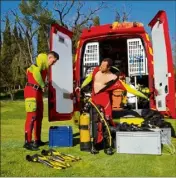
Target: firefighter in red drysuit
[
  {"x": 33, "y": 94},
  {"x": 102, "y": 97}
]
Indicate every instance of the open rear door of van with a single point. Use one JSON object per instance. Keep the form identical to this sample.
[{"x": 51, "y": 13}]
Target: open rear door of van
[
  {"x": 163, "y": 64},
  {"x": 60, "y": 101}
]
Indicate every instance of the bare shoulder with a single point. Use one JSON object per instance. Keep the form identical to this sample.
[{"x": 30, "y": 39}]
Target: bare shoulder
[{"x": 113, "y": 76}]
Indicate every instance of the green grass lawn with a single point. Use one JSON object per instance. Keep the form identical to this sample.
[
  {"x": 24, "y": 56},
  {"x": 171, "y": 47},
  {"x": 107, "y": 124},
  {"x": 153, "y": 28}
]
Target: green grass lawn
[{"x": 13, "y": 161}]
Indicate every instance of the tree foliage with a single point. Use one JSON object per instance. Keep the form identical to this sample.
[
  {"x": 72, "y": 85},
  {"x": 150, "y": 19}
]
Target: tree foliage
[
  {"x": 81, "y": 18},
  {"x": 96, "y": 21},
  {"x": 24, "y": 35},
  {"x": 123, "y": 14},
  {"x": 27, "y": 33},
  {"x": 6, "y": 62},
  {"x": 36, "y": 16},
  {"x": 42, "y": 45}
]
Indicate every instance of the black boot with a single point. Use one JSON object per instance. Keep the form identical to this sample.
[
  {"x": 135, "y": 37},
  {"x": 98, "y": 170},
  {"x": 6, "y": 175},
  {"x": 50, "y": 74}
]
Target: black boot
[
  {"x": 109, "y": 151},
  {"x": 93, "y": 149},
  {"x": 38, "y": 143},
  {"x": 29, "y": 146}
]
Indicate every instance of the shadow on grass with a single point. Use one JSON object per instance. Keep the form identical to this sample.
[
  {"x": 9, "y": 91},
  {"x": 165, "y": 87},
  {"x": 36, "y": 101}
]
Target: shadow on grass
[
  {"x": 76, "y": 134},
  {"x": 76, "y": 141}
]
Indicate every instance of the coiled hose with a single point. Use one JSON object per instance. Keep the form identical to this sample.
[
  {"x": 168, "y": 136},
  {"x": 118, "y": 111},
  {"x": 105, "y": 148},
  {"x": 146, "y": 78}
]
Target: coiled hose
[{"x": 102, "y": 119}]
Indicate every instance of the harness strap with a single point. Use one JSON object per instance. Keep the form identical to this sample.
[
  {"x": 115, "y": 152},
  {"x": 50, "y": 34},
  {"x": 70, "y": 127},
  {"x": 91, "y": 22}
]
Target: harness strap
[{"x": 34, "y": 86}]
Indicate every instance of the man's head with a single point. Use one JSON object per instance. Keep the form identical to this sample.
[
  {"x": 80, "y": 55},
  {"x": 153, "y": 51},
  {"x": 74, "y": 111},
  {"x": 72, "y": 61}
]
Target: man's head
[
  {"x": 106, "y": 65},
  {"x": 52, "y": 57}
]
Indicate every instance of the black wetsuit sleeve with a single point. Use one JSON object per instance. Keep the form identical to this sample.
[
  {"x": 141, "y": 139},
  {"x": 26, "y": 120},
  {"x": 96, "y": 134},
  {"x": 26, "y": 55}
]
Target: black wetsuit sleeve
[{"x": 108, "y": 84}]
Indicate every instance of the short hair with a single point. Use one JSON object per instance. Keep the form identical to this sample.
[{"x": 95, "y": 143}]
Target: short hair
[
  {"x": 56, "y": 55},
  {"x": 109, "y": 61}
]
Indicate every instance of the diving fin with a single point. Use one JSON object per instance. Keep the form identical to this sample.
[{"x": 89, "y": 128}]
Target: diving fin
[
  {"x": 65, "y": 157},
  {"x": 55, "y": 157},
  {"x": 44, "y": 160}
]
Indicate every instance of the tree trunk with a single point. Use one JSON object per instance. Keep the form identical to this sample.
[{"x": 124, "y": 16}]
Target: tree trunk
[
  {"x": 11, "y": 93},
  {"x": 12, "y": 96}
]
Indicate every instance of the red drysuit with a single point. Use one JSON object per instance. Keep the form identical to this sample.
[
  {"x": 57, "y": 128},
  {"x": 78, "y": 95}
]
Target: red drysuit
[
  {"x": 103, "y": 98},
  {"x": 34, "y": 119}
]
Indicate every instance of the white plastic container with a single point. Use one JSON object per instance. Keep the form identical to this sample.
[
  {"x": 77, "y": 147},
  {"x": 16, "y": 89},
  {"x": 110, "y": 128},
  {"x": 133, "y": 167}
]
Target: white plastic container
[{"x": 139, "y": 142}]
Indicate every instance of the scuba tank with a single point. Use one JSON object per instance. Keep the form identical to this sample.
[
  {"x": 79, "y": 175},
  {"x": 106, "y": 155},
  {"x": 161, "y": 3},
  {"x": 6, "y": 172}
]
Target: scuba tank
[
  {"x": 76, "y": 116},
  {"x": 88, "y": 129},
  {"x": 92, "y": 125},
  {"x": 84, "y": 129}
]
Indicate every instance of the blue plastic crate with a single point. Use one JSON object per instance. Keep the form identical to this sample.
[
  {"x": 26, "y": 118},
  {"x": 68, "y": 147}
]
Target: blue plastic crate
[{"x": 60, "y": 136}]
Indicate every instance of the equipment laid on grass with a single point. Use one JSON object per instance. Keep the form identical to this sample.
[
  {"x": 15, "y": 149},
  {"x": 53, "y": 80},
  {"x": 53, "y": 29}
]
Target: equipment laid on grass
[
  {"x": 94, "y": 129},
  {"x": 138, "y": 142},
  {"x": 146, "y": 137},
  {"x": 154, "y": 119},
  {"x": 46, "y": 161},
  {"x": 63, "y": 156},
  {"x": 149, "y": 119},
  {"x": 53, "y": 159},
  {"x": 60, "y": 136}
]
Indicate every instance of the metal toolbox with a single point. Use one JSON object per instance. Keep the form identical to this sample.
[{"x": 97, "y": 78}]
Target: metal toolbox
[{"x": 148, "y": 142}]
